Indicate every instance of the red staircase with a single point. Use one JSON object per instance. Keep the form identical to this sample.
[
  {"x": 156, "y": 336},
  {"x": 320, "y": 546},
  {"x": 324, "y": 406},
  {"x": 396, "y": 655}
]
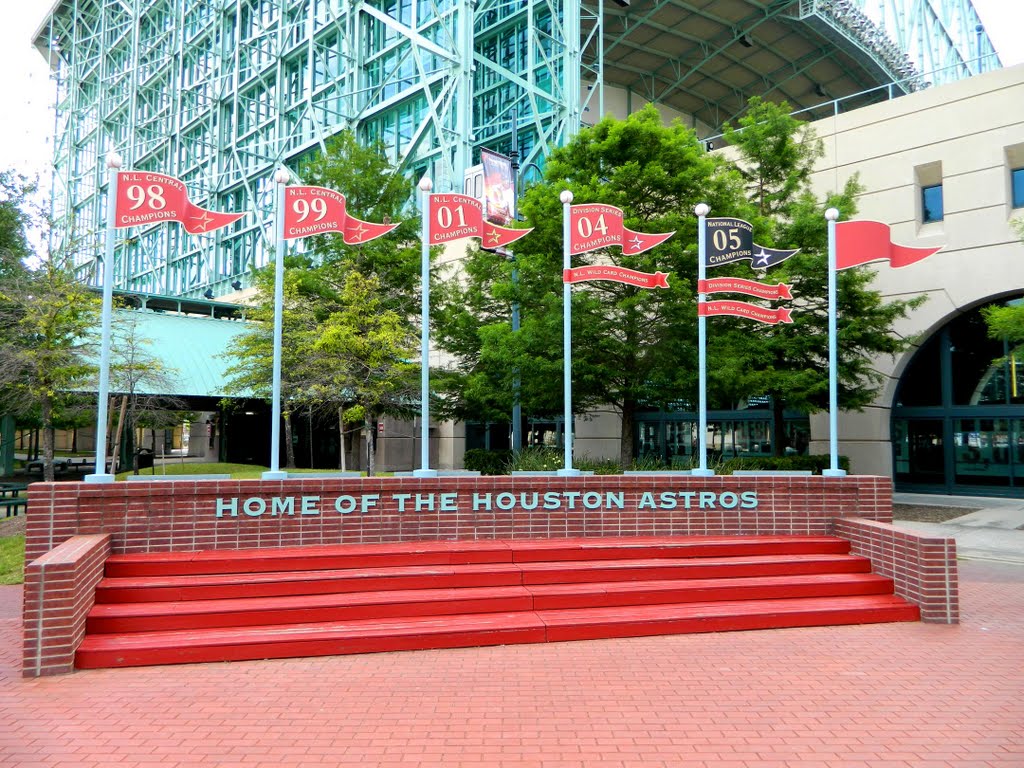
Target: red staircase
[{"x": 182, "y": 607}]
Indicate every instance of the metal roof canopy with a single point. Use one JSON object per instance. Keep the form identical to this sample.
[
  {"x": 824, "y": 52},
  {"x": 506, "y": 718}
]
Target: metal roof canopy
[
  {"x": 190, "y": 347},
  {"x": 707, "y": 58}
]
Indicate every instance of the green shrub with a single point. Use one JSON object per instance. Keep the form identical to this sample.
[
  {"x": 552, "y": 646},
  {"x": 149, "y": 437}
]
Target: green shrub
[
  {"x": 487, "y": 462},
  {"x": 597, "y": 466},
  {"x": 815, "y": 463},
  {"x": 537, "y": 460}
]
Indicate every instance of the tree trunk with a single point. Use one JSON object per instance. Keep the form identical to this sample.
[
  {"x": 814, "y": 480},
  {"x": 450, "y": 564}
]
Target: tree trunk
[
  {"x": 289, "y": 449},
  {"x": 626, "y": 434},
  {"x": 115, "y": 448},
  {"x": 341, "y": 437},
  {"x": 779, "y": 438},
  {"x": 371, "y": 447},
  {"x": 46, "y": 415}
]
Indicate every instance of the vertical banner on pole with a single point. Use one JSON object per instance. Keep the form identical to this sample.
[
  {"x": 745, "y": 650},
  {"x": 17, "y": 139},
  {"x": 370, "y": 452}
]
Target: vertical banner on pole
[
  {"x": 566, "y": 199},
  {"x": 702, "y": 210},
  {"x": 275, "y": 472},
  {"x": 100, "y": 474}
]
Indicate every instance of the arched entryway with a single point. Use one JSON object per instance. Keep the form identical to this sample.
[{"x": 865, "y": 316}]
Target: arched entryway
[{"x": 958, "y": 415}]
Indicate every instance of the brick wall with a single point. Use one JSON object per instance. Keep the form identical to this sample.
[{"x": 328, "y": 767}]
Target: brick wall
[
  {"x": 164, "y": 515},
  {"x": 923, "y": 568},
  {"x": 60, "y": 588}
]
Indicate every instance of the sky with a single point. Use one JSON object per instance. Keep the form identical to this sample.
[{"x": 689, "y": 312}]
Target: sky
[{"x": 26, "y": 124}]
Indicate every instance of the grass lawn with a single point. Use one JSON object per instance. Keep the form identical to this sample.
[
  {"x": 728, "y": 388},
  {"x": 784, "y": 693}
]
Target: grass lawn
[
  {"x": 12, "y": 559},
  {"x": 237, "y": 471}
]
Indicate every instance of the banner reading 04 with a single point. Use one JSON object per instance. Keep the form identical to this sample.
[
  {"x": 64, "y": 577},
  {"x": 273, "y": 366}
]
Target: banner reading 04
[
  {"x": 312, "y": 211},
  {"x": 453, "y": 216},
  {"x": 150, "y": 198},
  {"x": 596, "y": 225}
]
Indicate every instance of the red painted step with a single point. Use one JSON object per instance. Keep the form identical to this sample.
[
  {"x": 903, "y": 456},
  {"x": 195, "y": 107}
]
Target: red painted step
[
  {"x": 222, "y": 606},
  {"x": 144, "y": 617},
  {"x": 374, "y": 635},
  {"x": 337, "y": 557}
]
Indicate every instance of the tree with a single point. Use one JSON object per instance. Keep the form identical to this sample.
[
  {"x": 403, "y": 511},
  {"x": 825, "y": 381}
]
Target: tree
[
  {"x": 370, "y": 348},
  {"x": 789, "y": 363},
  {"x": 1007, "y": 321},
  {"x": 632, "y": 348},
  {"x": 47, "y": 323},
  {"x": 316, "y": 282},
  {"x": 374, "y": 190}
]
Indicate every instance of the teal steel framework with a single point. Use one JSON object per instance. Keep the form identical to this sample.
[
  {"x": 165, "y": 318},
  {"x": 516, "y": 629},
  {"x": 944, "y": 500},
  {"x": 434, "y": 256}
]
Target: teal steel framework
[{"x": 221, "y": 92}]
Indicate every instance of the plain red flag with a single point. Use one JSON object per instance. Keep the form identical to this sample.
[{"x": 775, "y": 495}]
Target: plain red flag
[{"x": 860, "y": 242}]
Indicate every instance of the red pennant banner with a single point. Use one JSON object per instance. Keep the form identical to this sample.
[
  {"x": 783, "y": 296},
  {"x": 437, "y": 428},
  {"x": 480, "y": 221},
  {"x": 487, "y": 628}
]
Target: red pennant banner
[
  {"x": 453, "y": 216},
  {"x": 746, "y": 287},
  {"x": 616, "y": 275},
  {"x": 150, "y": 198},
  {"x": 596, "y": 225},
  {"x": 312, "y": 211},
  {"x": 745, "y": 310},
  {"x": 860, "y": 242}
]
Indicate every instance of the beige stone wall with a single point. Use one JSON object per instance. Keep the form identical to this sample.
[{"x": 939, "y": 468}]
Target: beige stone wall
[{"x": 968, "y": 135}]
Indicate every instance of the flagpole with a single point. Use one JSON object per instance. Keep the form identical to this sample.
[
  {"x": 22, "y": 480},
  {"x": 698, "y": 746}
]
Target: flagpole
[
  {"x": 100, "y": 474},
  {"x": 566, "y": 198},
  {"x": 426, "y": 185},
  {"x": 702, "y": 210},
  {"x": 831, "y": 215},
  {"x": 275, "y": 473}
]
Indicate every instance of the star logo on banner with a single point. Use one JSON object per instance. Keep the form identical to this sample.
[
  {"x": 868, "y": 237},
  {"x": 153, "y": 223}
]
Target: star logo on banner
[
  {"x": 203, "y": 222},
  {"x": 762, "y": 258},
  {"x": 636, "y": 242},
  {"x": 493, "y": 236},
  {"x": 359, "y": 232}
]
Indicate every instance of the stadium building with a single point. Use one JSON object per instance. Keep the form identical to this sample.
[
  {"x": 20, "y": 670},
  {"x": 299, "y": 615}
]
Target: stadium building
[{"x": 220, "y": 93}]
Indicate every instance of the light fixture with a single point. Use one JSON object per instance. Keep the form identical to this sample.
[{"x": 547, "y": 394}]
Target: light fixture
[
  {"x": 746, "y": 41},
  {"x": 819, "y": 90},
  {"x": 236, "y": 284},
  {"x": 622, "y": 3},
  {"x": 208, "y": 293}
]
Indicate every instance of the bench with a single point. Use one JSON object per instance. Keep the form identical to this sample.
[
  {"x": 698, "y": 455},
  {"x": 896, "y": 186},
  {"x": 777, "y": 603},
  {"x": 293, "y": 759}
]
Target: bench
[
  {"x": 12, "y": 507},
  {"x": 60, "y": 465}
]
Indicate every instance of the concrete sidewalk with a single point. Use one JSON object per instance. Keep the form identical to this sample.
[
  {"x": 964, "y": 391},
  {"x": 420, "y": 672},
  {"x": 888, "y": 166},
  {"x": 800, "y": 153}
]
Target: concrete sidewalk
[{"x": 994, "y": 531}]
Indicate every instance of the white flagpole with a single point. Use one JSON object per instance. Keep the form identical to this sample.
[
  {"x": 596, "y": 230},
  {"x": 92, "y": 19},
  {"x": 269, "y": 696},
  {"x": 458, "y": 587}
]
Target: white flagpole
[
  {"x": 275, "y": 473},
  {"x": 100, "y": 474},
  {"x": 702, "y": 210},
  {"x": 426, "y": 185},
  {"x": 566, "y": 198},
  {"x": 832, "y": 215}
]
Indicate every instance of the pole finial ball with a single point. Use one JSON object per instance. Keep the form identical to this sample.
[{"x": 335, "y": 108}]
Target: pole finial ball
[
  {"x": 113, "y": 160},
  {"x": 281, "y": 175},
  {"x": 566, "y": 197},
  {"x": 702, "y": 209},
  {"x": 426, "y": 184},
  {"x": 832, "y": 214}
]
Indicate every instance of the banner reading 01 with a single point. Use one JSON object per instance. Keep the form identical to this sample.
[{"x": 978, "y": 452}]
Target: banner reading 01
[
  {"x": 150, "y": 198},
  {"x": 312, "y": 211},
  {"x": 453, "y": 216}
]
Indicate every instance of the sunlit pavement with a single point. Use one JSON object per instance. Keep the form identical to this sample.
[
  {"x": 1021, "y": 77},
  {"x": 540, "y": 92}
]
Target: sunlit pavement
[{"x": 886, "y": 695}]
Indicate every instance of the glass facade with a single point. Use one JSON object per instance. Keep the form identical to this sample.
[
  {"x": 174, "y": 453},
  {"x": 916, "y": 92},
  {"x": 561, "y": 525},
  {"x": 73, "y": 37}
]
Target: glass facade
[
  {"x": 958, "y": 418},
  {"x": 1017, "y": 187}
]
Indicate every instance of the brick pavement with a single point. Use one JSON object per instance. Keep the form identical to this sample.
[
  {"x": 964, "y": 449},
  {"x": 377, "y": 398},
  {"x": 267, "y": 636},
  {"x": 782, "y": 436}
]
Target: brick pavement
[{"x": 879, "y": 696}]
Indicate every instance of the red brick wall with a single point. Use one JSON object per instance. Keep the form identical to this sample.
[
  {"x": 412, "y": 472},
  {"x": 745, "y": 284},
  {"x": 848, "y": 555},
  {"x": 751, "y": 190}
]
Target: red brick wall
[
  {"x": 923, "y": 568},
  {"x": 60, "y": 588},
  {"x": 163, "y": 515}
]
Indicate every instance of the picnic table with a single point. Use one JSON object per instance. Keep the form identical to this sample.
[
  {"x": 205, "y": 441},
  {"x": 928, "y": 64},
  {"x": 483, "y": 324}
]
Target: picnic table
[{"x": 13, "y": 500}]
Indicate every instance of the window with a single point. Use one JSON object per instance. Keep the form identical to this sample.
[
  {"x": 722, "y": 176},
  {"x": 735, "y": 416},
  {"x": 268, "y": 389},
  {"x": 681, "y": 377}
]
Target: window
[
  {"x": 1017, "y": 187},
  {"x": 931, "y": 203}
]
